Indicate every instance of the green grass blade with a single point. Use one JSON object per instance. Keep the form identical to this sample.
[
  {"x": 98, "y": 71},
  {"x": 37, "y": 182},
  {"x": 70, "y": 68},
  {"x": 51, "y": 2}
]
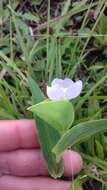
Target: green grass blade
[
  {"x": 89, "y": 92},
  {"x": 20, "y": 38}
]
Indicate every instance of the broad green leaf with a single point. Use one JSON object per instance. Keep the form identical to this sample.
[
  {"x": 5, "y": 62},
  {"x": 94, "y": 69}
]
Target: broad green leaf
[
  {"x": 58, "y": 114},
  {"x": 48, "y": 136},
  {"x": 78, "y": 134}
]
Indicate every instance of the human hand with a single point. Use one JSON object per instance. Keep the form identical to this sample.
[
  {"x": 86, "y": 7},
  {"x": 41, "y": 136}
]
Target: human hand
[{"x": 22, "y": 166}]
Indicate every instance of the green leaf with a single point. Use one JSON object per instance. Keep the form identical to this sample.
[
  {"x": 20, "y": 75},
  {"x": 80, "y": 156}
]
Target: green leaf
[
  {"x": 58, "y": 114},
  {"x": 78, "y": 134},
  {"x": 48, "y": 136}
]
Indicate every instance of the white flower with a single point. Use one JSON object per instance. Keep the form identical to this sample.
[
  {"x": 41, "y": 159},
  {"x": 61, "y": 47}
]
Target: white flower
[{"x": 64, "y": 89}]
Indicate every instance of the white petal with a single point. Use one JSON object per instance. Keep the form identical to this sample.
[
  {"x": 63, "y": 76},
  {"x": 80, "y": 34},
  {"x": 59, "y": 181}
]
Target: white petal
[
  {"x": 74, "y": 90},
  {"x": 57, "y": 82},
  {"x": 67, "y": 82},
  {"x": 54, "y": 93},
  {"x": 62, "y": 83}
]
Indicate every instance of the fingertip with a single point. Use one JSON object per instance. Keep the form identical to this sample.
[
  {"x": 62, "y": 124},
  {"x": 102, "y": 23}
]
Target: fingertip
[{"x": 73, "y": 162}]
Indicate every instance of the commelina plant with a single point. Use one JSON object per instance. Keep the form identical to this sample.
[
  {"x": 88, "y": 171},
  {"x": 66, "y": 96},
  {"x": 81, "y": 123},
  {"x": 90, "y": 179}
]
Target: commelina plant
[{"x": 54, "y": 117}]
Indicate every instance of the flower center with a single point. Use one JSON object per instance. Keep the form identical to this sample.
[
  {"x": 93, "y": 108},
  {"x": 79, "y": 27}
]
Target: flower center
[{"x": 63, "y": 89}]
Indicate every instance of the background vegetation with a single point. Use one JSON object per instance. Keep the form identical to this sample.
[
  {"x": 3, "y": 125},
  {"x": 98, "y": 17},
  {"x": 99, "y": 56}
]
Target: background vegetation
[{"x": 57, "y": 38}]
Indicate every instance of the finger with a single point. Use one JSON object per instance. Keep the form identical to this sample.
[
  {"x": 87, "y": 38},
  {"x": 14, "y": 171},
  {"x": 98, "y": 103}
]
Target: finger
[
  {"x": 73, "y": 163},
  {"x": 31, "y": 163},
  {"x": 18, "y": 134},
  {"x": 32, "y": 183}
]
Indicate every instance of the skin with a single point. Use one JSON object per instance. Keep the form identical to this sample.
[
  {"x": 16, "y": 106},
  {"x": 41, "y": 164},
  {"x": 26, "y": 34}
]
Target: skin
[{"x": 22, "y": 165}]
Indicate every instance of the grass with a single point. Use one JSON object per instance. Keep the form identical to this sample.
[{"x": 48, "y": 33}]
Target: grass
[{"x": 69, "y": 40}]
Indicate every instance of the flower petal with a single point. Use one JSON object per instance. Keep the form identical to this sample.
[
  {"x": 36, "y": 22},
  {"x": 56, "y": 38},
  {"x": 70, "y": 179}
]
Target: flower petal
[
  {"x": 54, "y": 93},
  {"x": 57, "y": 82},
  {"x": 74, "y": 90},
  {"x": 67, "y": 82},
  {"x": 62, "y": 83}
]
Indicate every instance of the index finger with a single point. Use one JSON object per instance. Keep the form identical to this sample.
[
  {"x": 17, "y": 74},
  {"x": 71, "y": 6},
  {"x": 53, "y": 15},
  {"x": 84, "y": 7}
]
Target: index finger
[{"x": 16, "y": 134}]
